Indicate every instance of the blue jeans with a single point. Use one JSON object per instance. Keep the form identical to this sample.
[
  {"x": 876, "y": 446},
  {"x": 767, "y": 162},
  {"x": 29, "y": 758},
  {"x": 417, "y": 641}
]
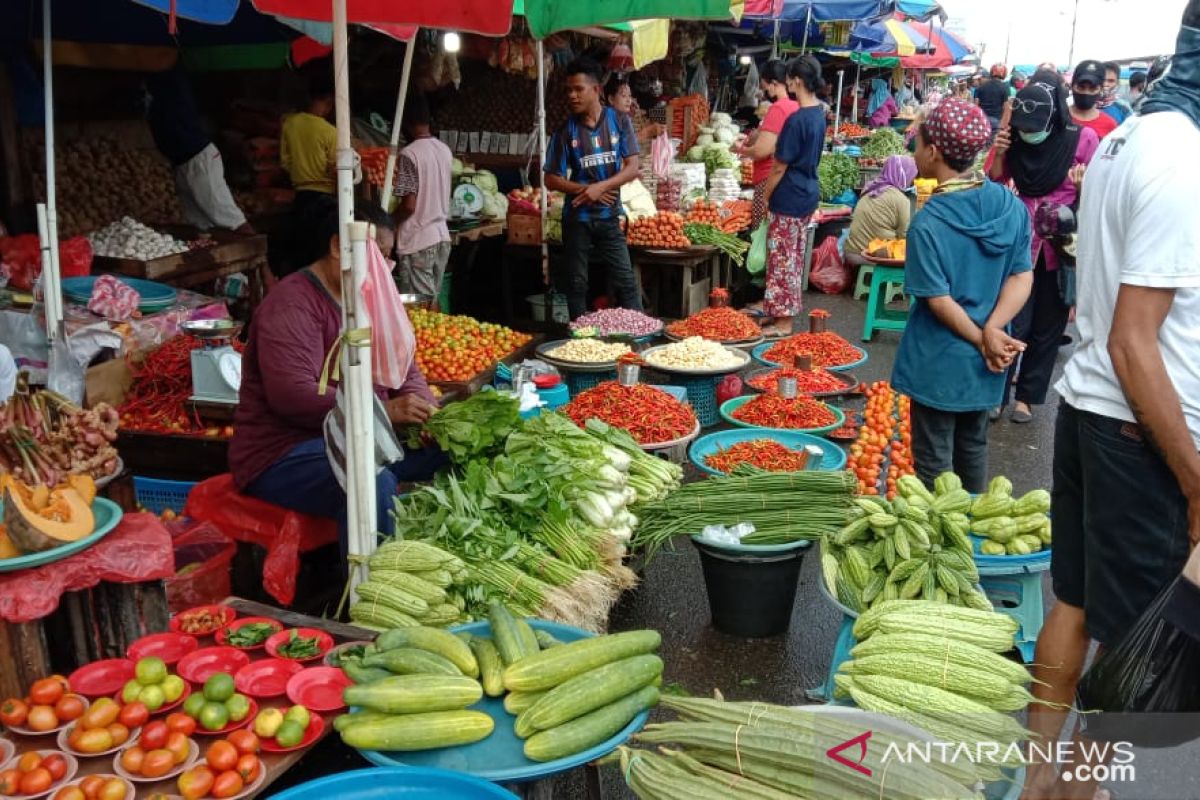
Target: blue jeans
[{"x": 303, "y": 481}]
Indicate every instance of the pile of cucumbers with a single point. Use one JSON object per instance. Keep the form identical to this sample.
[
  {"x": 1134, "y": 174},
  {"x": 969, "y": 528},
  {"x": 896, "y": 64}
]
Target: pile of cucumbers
[{"x": 414, "y": 687}]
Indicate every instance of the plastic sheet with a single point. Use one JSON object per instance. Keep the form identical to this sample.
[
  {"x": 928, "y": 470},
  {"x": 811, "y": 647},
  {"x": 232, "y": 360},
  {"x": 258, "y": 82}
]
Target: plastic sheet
[
  {"x": 829, "y": 272},
  {"x": 138, "y": 549},
  {"x": 202, "y": 557},
  {"x": 283, "y": 534}
]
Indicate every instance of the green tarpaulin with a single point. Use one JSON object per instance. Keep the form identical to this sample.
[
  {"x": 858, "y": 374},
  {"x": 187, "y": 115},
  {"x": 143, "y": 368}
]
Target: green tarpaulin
[{"x": 548, "y": 16}]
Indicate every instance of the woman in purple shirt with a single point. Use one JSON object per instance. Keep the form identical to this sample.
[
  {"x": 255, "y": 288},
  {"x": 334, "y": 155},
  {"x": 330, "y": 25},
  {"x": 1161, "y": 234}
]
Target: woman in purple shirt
[
  {"x": 1045, "y": 161},
  {"x": 278, "y": 450}
]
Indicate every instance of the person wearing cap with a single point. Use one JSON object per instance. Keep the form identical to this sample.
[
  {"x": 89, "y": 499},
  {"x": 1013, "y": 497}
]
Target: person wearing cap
[
  {"x": 1016, "y": 83},
  {"x": 1045, "y": 162},
  {"x": 1110, "y": 99},
  {"x": 1087, "y": 86},
  {"x": 967, "y": 269},
  {"x": 992, "y": 95},
  {"x": 1126, "y": 500}
]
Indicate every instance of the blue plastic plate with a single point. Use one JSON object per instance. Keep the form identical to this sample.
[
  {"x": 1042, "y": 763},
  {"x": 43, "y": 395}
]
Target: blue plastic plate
[
  {"x": 501, "y": 757},
  {"x": 154, "y": 296},
  {"x": 418, "y": 783},
  {"x": 832, "y": 456},
  {"x": 729, "y": 406},
  {"x": 1006, "y": 564},
  {"x": 107, "y": 514},
  {"x": 759, "y": 355}
]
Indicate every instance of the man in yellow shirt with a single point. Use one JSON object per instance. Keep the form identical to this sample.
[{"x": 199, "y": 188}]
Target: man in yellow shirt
[{"x": 308, "y": 153}]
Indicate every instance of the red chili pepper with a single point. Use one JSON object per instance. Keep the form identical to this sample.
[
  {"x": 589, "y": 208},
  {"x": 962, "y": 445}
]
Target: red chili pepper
[
  {"x": 720, "y": 324},
  {"x": 762, "y": 453},
  {"x": 772, "y": 411},
  {"x": 826, "y": 349},
  {"x": 807, "y": 381},
  {"x": 157, "y": 402},
  {"x": 649, "y": 414}
]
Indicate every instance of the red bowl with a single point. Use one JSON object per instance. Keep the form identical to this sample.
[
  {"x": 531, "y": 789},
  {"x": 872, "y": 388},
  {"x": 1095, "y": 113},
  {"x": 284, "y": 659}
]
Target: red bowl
[
  {"x": 324, "y": 642},
  {"x": 318, "y": 688},
  {"x": 101, "y": 678},
  {"x": 201, "y": 665},
  {"x": 266, "y": 678},
  {"x": 316, "y": 726},
  {"x": 222, "y": 636},
  {"x": 165, "y": 708},
  {"x": 226, "y": 613},
  {"x": 232, "y": 726},
  {"x": 170, "y": 647}
]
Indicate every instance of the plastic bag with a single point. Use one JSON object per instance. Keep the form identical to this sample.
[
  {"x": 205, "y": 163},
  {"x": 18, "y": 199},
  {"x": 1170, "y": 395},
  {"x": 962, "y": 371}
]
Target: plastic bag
[
  {"x": 202, "y": 557},
  {"x": 393, "y": 343},
  {"x": 1145, "y": 684},
  {"x": 756, "y": 259},
  {"x": 829, "y": 272}
]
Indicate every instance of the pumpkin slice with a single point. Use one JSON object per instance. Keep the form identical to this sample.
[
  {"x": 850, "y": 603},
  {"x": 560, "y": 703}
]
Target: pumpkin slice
[
  {"x": 84, "y": 485},
  {"x": 7, "y": 548},
  {"x": 65, "y": 517}
]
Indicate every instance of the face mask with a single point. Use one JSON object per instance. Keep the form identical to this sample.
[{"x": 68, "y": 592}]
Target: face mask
[
  {"x": 1034, "y": 138},
  {"x": 1085, "y": 102}
]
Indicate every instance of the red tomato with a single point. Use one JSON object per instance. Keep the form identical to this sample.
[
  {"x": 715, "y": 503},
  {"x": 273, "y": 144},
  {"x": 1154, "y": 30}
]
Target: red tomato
[
  {"x": 179, "y": 746},
  {"x": 69, "y": 707},
  {"x": 41, "y": 718},
  {"x": 182, "y": 723},
  {"x": 29, "y": 761},
  {"x": 46, "y": 692},
  {"x": 154, "y": 735},
  {"x": 37, "y": 781},
  {"x": 134, "y": 715},
  {"x": 248, "y": 767},
  {"x": 13, "y": 712},
  {"x": 244, "y": 740},
  {"x": 221, "y": 756},
  {"x": 227, "y": 784},
  {"x": 55, "y": 764},
  {"x": 196, "y": 782},
  {"x": 10, "y": 781},
  {"x": 158, "y": 763}
]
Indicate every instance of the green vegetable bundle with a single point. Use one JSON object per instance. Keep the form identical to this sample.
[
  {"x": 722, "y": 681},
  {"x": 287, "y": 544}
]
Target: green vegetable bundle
[
  {"x": 727, "y": 243},
  {"x": 472, "y": 428},
  {"x": 837, "y": 173},
  {"x": 884, "y": 142}
]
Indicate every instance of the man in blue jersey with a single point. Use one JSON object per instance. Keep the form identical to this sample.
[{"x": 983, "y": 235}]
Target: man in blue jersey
[{"x": 589, "y": 159}]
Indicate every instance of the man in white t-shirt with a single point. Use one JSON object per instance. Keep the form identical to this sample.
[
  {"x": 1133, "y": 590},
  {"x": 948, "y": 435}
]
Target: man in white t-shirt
[
  {"x": 423, "y": 189},
  {"x": 1126, "y": 495}
]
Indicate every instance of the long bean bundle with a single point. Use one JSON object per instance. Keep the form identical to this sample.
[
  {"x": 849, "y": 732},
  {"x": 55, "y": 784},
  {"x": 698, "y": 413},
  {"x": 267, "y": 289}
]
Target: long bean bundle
[{"x": 727, "y": 243}]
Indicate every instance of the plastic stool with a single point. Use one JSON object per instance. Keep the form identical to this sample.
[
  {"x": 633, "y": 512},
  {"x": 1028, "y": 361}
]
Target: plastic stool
[
  {"x": 841, "y": 653},
  {"x": 1020, "y": 597},
  {"x": 879, "y": 316},
  {"x": 702, "y": 394},
  {"x": 863, "y": 287},
  {"x": 580, "y": 381}
]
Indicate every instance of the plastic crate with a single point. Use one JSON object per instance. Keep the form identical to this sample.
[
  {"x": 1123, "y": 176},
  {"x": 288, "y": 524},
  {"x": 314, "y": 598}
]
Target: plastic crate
[
  {"x": 581, "y": 381},
  {"x": 156, "y": 495},
  {"x": 702, "y": 394}
]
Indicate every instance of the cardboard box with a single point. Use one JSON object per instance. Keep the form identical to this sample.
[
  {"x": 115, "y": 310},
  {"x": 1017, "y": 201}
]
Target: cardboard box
[{"x": 107, "y": 383}]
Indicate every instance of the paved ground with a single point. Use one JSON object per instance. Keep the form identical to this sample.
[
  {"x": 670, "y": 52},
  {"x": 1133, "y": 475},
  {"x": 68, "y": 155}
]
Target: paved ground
[{"x": 699, "y": 659}]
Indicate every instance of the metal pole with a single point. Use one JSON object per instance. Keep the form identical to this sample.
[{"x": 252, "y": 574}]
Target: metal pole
[
  {"x": 393, "y": 151},
  {"x": 837, "y": 103},
  {"x": 807, "y": 23},
  {"x": 51, "y": 288},
  {"x": 775, "y": 41},
  {"x": 356, "y": 360},
  {"x": 541, "y": 132},
  {"x": 857, "y": 78},
  {"x": 1074, "y": 22}
]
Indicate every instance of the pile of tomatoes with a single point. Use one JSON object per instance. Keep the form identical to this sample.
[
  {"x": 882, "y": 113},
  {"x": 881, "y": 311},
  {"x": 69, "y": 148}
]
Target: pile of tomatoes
[
  {"x": 662, "y": 230},
  {"x": 161, "y": 747},
  {"x": 50, "y": 703},
  {"x": 95, "y": 787},
  {"x": 34, "y": 773},
  {"x": 885, "y": 436},
  {"x": 457, "y": 348},
  {"x": 105, "y": 725},
  {"x": 229, "y": 766}
]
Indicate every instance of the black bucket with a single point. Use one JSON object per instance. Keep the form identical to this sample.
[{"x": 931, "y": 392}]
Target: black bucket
[{"x": 750, "y": 594}]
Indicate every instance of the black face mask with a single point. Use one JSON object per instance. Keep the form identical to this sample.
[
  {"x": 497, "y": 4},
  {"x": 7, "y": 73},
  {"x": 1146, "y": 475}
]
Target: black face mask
[{"x": 1085, "y": 102}]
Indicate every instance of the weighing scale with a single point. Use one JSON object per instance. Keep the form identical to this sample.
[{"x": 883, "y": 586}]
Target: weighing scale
[{"x": 216, "y": 366}]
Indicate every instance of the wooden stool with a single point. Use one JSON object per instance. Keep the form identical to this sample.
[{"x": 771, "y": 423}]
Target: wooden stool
[{"x": 879, "y": 317}]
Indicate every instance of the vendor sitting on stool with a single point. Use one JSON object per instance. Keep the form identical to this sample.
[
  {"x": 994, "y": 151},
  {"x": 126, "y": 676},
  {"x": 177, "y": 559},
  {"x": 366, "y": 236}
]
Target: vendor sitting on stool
[
  {"x": 278, "y": 451},
  {"x": 884, "y": 210}
]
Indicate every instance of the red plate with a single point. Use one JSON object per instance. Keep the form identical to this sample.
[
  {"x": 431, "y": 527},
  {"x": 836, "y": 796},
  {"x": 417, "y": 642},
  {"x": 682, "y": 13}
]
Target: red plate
[
  {"x": 226, "y": 613},
  {"x": 232, "y": 726},
  {"x": 266, "y": 678},
  {"x": 101, "y": 678},
  {"x": 201, "y": 665},
  {"x": 318, "y": 688},
  {"x": 222, "y": 636},
  {"x": 324, "y": 642},
  {"x": 170, "y": 647},
  {"x": 165, "y": 707},
  {"x": 316, "y": 725}
]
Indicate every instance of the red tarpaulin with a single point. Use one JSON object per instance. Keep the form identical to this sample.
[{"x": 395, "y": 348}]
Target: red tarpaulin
[{"x": 489, "y": 17}]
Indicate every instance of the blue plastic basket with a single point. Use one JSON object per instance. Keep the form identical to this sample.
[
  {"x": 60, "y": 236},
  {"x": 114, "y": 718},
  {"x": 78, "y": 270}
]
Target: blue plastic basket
[
  {"x": 702, "y": 394},
  {"x": 581, "y": 381},
  {"x": 157, "y": 495},
  {"x": 417, "y": 783}
]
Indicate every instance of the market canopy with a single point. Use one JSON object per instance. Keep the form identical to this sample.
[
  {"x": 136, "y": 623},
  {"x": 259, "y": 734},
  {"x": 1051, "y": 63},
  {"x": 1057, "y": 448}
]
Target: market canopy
[
  {"x": 917, "y": 45},
  {"x": 828, "y": 10},
  {"x": 550, "y": 16},
  {"x": 488, "y": 17}
]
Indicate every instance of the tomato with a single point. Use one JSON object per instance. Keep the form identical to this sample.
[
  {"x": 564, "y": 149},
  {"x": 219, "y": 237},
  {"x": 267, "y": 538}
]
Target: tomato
[
  {"x": 132, "y": 760},
  {"x": 56, "y": 765},
  {"x": 112, "y": 789},
  {"x": 182, "y": 723},
  {"x": 41, "y": 718},
  {"x": 227, "y": 784},
  {"x": 46, "y": 692},
  {"x": 69, "y": 707},
  {"x": 10, "y": 781},
  {"x": 248, "y": 767},
  {"x": 221, "y": 755},
  {"x": 119, "y": 733},
  {"x": 179, "y": 745},
  {"x": 134, "y": 715},
  {"x": 91, "y": 785},
  {"x": 102, "y": 713},
  {"x": 154, "y": 735},
  {"x": 157, "y": 763},
  {"x": 37, "y": 781},
  {"x": 13, "y": 712},
  {"x": 96, "y": 740},
  {"x": 196, "y": 782},
  {"x": 29, "y": 761},
  {"x": 62, "y": 679},
  {"x": 70, "y": 793},
  {"x": 245, "y": 741}
]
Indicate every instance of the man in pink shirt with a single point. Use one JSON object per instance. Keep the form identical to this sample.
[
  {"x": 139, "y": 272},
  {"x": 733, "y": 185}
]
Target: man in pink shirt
[{"x": 423, "y": 189}]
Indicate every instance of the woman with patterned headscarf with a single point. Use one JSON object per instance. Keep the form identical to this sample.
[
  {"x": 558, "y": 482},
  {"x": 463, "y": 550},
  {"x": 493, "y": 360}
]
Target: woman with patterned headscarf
[{"x": 884, "y": 210}]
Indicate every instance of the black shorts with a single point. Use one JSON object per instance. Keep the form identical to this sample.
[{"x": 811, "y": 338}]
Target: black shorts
[{"x": 1120, "y": 521}]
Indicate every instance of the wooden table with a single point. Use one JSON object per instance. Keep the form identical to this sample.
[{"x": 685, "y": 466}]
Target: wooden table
[
  {"x": 275, "y": 764},
  {"x": 699, "y": 269},
  {"x": 487, "y": 230}
]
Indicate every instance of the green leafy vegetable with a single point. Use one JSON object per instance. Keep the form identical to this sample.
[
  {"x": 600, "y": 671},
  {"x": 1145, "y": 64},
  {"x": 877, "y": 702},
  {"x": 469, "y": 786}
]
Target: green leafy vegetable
[
  {"x": 883, "y": 143},
  {"x": 836, "y": 173},
  {"x": 473, "y": 428},
  {"x": 251, "y": 635},
  {"x": 298, "y": 646}
]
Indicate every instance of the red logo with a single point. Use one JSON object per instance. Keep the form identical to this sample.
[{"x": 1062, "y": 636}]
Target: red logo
[{"x": 835, "y": 753}]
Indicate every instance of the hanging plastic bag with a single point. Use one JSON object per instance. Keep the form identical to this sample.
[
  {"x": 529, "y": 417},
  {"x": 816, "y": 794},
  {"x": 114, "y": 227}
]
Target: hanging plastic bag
[
  {"x": 829, "y": 272},
  {"x": 756, "y": 259},
  {"x": 393, "y": 343},
  {"x": 1145, "y": 686}
]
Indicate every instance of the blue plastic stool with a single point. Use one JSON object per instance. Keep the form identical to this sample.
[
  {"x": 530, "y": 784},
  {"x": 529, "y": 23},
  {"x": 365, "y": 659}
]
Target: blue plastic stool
[
  {"x": 1020, "y": 597},
  {"x": 580, "y": 381},
  {"x": 841, "y": 653},
  {"x": 879, "y": 316},
  {"x": 702, "y": 394}
]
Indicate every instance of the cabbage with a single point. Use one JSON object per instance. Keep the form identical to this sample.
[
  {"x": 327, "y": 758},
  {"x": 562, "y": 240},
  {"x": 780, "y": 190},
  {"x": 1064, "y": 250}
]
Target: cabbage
[
  {"x": 696, "y": 154},
  {"x": 721, "y": 118},
  {"x": 486, "y": 180},
  {"x": 456, "y": 168},
  {"x": 704, "y": 140},
  {"x": 725, "y": 135}
]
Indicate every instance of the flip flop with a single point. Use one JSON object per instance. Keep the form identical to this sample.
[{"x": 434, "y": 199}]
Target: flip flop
[{"x": 1021, "y": 417}]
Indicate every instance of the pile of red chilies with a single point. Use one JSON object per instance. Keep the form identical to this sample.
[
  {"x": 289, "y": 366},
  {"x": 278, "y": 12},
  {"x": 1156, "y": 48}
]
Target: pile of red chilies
[
  {"x": 807, "y": 381},
  {"x": 826, "y": 350},
  {"x": 772, "y": 411},
  {"x": 650, "y": 415},
  {"x": 762, "y": 453},
  {"x": 157, "y": 402},
  {"x": 720, "y": 324}
]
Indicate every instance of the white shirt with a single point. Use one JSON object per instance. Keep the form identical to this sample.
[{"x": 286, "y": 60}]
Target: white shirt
[{"x": 1139, "y": 225}]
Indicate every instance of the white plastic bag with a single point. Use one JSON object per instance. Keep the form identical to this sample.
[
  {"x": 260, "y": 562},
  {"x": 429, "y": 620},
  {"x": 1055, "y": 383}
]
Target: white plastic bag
[{"x": 393, "y": 343}]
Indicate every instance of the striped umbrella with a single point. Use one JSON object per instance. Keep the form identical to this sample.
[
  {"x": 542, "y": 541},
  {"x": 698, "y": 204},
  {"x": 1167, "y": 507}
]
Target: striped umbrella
[{"x": 918, "y": 45}]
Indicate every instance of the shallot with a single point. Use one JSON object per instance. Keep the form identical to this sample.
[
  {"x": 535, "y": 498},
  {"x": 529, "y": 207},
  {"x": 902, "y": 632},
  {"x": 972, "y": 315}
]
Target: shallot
[{"x": 610, "y": 321}]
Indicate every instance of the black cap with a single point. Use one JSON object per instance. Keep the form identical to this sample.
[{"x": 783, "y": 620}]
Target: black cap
[
  {"x": 1033, "y": 108},
  {"x": 1089, "y": 72}
]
